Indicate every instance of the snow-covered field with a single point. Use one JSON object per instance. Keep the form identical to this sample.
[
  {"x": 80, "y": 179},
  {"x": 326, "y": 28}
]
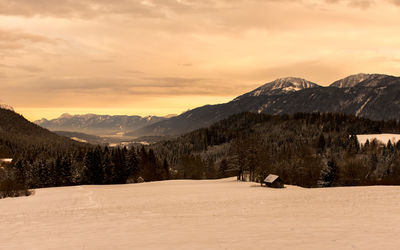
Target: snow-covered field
[
  {"x": 212, "y": 214},
  {"x": 384, "y": 138}
]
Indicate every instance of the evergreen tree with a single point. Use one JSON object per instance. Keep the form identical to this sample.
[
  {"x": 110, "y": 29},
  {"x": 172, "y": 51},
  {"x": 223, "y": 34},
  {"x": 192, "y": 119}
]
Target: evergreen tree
[
  {"x": 166, "y": 175},
  {"x": 94, "y": 171},
  {"x": 132, "y": 164},
  {"x": 321, "y": 144},
  {"x": 120, "y": 171},
  {"x": 63, "y": 171},
  {"x": 108, "y": 167},
  {"x": 328, "y": 174},
  {"x": 223, "y": 167}
]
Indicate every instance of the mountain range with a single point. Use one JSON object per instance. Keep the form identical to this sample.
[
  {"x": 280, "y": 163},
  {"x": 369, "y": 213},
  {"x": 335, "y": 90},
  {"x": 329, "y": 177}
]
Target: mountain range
[
  {"x": 373, "y": 96},
  {"x": 99, "y": 125}
]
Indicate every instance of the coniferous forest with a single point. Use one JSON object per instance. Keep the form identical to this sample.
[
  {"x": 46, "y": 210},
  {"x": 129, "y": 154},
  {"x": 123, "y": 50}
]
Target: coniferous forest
[
  {"x": 44, "y": 159},
  {"x": 309, "y": 150}
]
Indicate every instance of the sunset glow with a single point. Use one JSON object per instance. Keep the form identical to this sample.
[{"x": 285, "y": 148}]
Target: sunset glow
[{"x": 163, "y": 57}]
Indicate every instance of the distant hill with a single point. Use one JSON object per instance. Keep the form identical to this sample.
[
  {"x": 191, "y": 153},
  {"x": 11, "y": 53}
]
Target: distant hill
[
  {"x": 372, "y": 96},
  {"x": 18, "y": 135},
  {"x": 99, "y": 125}
]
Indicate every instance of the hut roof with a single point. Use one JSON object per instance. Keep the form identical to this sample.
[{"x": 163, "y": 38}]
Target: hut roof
[
  {"x": 6, "y": 160},
  {"x": 271, "y": 178}
]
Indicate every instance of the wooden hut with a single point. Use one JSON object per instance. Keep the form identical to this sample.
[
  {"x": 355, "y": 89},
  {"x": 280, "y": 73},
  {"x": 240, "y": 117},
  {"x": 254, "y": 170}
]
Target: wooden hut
[
  {"x": 273, "y": 181},
  {"x": 4, "y": 162}
]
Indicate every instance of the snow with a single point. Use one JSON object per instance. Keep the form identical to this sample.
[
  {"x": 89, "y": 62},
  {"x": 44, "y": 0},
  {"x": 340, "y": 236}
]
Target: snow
[
  {"x": 363, "y": 106},
  {"x": 384, "y": 138},
  {"x": 289, "y": 89},
  {"x": 6, "y": 106},
  {"x": 78, "y": 139},
  {"x": 6, "y": 160},
  {"x": 258, "y": 92},
  {"x": 212, "y": 214}
]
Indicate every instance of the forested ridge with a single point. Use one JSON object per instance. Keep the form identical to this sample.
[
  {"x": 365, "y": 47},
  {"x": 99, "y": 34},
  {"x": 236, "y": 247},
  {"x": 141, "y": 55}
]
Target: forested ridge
[
  {"x": 44, "y": 159},
  {"x": 309, "y": 150}
]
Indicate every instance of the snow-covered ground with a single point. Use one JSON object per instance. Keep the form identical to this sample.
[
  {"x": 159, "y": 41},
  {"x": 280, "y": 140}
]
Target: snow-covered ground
[
  {"x": 212, "y": 214},
  {"x": 384, "y": 138}
]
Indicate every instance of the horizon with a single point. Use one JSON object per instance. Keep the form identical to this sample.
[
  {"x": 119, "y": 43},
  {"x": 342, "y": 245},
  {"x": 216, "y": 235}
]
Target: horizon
[
  {"x": 164, "y": 57},
  {"x": 54, "y": 113}
]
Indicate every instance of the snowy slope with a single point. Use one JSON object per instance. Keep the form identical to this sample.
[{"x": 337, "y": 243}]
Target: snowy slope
[
  {"x": 6, "y": 106},
  {"x": 353, "y": 80},
  {"x": 213, "y": 214},
  {"x": 280, "y": 86},
  {"x": 383, "y": 138}
]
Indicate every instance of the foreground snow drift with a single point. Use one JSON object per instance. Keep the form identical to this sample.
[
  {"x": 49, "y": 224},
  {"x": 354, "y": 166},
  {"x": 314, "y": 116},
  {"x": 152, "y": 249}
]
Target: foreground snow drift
[{"x": 221, "y": 214}]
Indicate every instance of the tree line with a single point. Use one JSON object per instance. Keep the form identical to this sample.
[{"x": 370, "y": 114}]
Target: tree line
[
  {"x": 309, "y": 150},
  {"x": 92, "y": 165}
]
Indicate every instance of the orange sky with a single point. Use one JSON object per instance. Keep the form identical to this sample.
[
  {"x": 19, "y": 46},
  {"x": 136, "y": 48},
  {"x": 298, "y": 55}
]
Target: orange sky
[{"x": 162, "y": 57}]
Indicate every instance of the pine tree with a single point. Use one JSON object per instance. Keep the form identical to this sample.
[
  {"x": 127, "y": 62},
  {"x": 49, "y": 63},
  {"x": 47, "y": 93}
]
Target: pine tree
[
  {"x": 166, "y": 175},
  {"x": 321, "y": 144},
  {"x": 132, "y": 164},
  {"x": 223, "y": 167},
  {"x": 94, "y": 171},
  {"x": 63, "y": 171},
  {"x": 107, "y": 167},
  {"x": 150, "y": 167},
  {"x": 120, "y": 173},
  {"x": 328, "y": 174}
]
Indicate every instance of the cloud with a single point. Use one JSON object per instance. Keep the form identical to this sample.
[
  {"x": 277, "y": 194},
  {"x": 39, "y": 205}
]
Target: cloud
[
  {"x": 363, "y": 4},
  {"x": 125, "y": 52},
  {"x": 16, "y": 36},
  {"x": 91, "y": 8},
  {"x": 125, "y": 87},
  {"x": 143, "y": 8},
  {"x": 28, "y": 68},
  {"x": 11, "y": 40},
  {"x": 396, "y": 2},
  {"x": 152, "y": 9}
]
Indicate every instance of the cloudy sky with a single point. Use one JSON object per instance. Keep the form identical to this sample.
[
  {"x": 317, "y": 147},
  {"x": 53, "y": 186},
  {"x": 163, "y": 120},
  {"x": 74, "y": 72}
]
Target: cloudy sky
[{"x": 157, "y": 57}]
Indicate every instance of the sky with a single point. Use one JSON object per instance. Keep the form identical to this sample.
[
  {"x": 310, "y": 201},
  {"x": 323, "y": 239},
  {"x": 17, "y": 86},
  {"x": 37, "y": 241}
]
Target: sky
[{"x": 160, "y": 57}]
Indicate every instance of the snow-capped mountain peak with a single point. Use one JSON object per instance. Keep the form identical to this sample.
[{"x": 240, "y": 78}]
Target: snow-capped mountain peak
[
  {"x": 6, "y": 106},
  {"x": 280, "y": 86},
  {"x": 289, "y": 84},
  {"x": 353, "y": 80}
]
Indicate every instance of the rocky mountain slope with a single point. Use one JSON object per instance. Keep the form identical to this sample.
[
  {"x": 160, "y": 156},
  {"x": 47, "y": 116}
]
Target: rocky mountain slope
[
  {"x": 353, "y": 80},
  {"x": 280, "y": 86},
  {"x": 372, "y": 96}
]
